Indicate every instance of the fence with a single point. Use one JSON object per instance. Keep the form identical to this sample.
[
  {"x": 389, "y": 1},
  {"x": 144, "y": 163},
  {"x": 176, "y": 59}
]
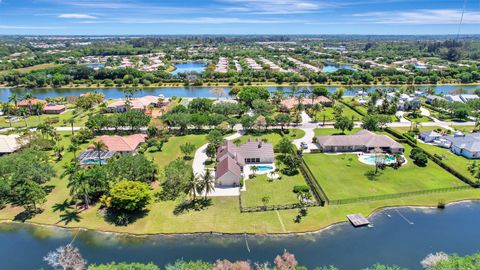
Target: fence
[
  {"x": 312, "y": 182},
  {"x": 435, "y": 159},
  {"x": 397, "y": 195},
  {"x": 276, "y": 207}
]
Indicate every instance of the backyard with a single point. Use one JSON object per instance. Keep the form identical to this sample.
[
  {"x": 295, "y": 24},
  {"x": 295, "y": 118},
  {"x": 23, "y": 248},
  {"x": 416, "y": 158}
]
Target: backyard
[{"x": 358, "y": 179}]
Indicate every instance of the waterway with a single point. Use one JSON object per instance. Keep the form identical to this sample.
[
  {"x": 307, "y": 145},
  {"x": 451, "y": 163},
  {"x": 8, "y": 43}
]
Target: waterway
[
  {"x": 192, "y": 92},
  {"x": 402, "y": 236},
  {"x": 332, "y": 67}
]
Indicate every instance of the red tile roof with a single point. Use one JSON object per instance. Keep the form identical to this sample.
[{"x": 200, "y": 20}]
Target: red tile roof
[
  {"x": 227, "y": 165},
  {"x": 29, "y": 102},
  {"x": 123, "y": 144}
]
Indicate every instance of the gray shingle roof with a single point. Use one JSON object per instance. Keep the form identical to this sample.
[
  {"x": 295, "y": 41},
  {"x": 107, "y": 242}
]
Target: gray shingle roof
[
  {"x": 363, "y": 137},
  {"x": 469, "y": 142}
]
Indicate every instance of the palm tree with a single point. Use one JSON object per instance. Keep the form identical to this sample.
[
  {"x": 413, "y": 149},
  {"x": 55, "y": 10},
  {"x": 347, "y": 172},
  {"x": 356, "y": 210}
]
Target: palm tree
[
  {"x": 45, "y": 129},
  {"x": 254, "y": 169},
  {"x": 192, "y": 186},
  {"x": 29, "y": 96},
  {"x": 71, "y": 122},
  {"x": 79, "y": 186},
  {"x": 14, "y": 98},
  {"x": 73, "y": 147},
  {"x": 207, "y": 183},
  {"x": 24, "y": 113},
  {"x": 69, "y": 169},
  {"x": 99, "y": 147},
  {"x": 37, "y": 109}
]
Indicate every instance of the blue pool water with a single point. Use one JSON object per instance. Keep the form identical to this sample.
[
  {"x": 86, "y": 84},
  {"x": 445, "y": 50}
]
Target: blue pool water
[
  {"x": 371, "y": 159},
  {"x": 264, "y": 168}
]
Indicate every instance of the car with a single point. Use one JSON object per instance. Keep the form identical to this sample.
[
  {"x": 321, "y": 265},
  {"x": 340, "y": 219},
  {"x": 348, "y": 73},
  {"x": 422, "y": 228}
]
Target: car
[{"x": 303, "y": 145}]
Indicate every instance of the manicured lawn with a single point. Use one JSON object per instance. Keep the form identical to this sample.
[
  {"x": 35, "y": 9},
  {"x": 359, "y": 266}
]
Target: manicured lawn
[
  {"x": 459, "y": 163},
  {"x": 223, "y": 215},
  {"x": 343, "y": 176},
  {"x": 171, "y": 149},
  {"x": 421, "y": 119},
  {"x": 332, "y": 131},
  {"x": 272, "y": 136},
  {"x": 328, "y": 113},
  {"x": 421, "y": 128},
  {"x": 277, "y": 191},
  {"x": 33, "y": 121}
]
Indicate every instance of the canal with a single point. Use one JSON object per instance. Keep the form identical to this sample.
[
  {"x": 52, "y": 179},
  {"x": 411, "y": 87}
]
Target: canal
[
  {"x": 192, "y": 92},
  {"x": 402, "y": 236}
]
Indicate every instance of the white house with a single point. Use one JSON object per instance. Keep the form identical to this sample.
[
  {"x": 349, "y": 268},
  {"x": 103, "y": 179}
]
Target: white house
[
  {"x": 430, "y": 136},
  {"x": 232, "y": 159}
]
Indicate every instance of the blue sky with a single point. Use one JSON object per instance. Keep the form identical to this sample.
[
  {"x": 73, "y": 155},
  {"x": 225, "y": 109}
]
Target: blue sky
[{"x": 100, "y": 17}]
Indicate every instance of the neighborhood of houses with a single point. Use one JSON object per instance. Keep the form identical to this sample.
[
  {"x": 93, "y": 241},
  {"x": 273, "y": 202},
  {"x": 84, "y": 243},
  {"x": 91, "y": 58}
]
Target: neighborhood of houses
[{"x": 237, "y": 162}]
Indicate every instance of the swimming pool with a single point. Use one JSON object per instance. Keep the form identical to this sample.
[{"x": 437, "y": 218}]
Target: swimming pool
[
  {"x": 372, "y": 159},
  {"x": 264, "y": 168}
]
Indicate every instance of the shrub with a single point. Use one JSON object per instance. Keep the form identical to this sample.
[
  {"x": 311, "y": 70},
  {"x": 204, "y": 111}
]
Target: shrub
[
  {"x": 301, "y": 189},
  {"x": 130, "y": 195}
]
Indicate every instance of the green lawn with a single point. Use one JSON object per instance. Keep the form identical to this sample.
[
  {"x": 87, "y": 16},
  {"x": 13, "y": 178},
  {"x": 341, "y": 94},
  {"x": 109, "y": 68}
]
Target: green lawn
[
  {"x": 224, "y": 213},
  {"x": 343, "y": 176},
  {"x": 171, "y": 149},
  {"x": 273, "y": 137},
  {"x": 328, "y": 113},
  {"x": 332, "y": 131},
  {"x": 421, "y": 119},
  {"x": 33, "y": 121},
  {"x": 278, "y": 191}
]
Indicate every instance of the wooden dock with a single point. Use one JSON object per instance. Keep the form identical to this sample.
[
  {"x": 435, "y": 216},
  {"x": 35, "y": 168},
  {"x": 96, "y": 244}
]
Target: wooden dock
[{"x": 358, "y": 220}]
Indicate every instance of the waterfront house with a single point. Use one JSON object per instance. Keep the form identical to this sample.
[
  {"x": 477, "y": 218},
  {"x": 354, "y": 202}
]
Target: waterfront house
[
  {"x": 139, "y": 104},
  {"x": 114, "y": 145},
  {"x": 453, "y": 98},
  {"x": 466, "y": 145},
  {"x": 29, "y": 102},
  {"x": 362, "y": 141},
  {"x": 430, "y": 136},
  {"x": 54, "y": 108},
  {"x": 465, "y": 97},
  {"x": 232, "y": 159},
  {"x": 430, "y": 99}
]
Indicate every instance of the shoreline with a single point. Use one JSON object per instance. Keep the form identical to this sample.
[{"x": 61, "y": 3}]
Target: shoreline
[
  {"x": 180, "y": 85},
  {"x": 376, "y": 211}
]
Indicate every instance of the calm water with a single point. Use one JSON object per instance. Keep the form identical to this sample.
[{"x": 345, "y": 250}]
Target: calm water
[
  {"x": 332, "y": 67},
  {"x": 177, "y": 91},
  {"x": 392, "y": 240},
  {"x": 189, "y": 67}
]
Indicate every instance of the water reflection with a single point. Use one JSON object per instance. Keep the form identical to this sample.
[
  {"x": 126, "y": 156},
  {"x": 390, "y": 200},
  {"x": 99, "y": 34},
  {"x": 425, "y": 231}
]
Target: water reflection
[{"x": 392, "y": 240}]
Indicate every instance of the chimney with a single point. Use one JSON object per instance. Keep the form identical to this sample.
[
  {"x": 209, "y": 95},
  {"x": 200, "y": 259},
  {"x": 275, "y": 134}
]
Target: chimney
[{"x": 260, "y": 143}]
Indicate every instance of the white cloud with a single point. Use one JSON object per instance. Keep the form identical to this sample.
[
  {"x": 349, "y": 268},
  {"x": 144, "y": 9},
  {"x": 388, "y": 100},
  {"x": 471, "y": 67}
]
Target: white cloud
[
  {"x": 423, "y": 16},
  {"x": 274, "y": 6},
  {"x": 204, "y": 20},
  {"x": 76, "y": 16}
]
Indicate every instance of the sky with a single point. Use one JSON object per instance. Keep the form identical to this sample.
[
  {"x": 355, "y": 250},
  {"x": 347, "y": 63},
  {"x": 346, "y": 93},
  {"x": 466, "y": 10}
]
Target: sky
[{"x": 280, "y": 17}]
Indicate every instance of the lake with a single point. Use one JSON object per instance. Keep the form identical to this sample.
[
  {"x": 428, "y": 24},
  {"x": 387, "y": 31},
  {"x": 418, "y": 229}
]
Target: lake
[
  {"x": 193, "y": 92},
  {"x": 329, "y": 67},
  {"x": 402, "y": 236},
  {"x": 188, "y": 67}
]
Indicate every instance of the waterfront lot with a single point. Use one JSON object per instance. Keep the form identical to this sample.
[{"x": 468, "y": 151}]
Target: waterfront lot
[
  {"x": 343, "y": 176},
  {"x": 459, "y": 163},
  {"x": 328, "y": 113},
  {"x": 277, "y": 191}
]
